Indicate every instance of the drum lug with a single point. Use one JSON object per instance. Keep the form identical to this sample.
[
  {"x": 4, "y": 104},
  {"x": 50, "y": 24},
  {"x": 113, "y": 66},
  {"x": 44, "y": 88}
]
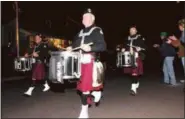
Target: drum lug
[
  {"x": 75, "y": 57},
  {"x": 18, "y": 65},
  {"x": 59, "y": 74},
  {"x": 77, "y": 75}
]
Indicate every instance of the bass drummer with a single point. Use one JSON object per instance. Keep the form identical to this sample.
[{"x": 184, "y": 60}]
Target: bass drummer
[
  {"x": 135, "y": 44},
  {"x": 39, "y": 54}
]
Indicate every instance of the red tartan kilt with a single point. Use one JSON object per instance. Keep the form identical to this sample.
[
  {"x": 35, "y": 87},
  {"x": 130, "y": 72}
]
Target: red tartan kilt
[
  {"x": 86, "y": 80},
  {"x": 38, "y": 71},
  {"x": 82, "y": 88},
  {"x": 138, "y": 70}
]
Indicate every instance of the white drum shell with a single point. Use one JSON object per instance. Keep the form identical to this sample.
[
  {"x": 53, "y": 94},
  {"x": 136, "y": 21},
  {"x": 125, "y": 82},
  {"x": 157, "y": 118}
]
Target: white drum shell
[
  {"x": 22, "y": 64},
  {"x": 124, "y": 59},
  {"x": 64, "y": 65}
]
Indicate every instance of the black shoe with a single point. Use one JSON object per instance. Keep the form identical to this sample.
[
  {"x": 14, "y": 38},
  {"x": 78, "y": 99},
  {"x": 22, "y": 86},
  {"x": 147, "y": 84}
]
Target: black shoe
[
  {"x": 25, "y": 95},
  {"x": 166, "y": 83},
  {"x": 89, "y": 105},
  {"x": 132, "y": 93},
  {"x": 97, "y": 104}
]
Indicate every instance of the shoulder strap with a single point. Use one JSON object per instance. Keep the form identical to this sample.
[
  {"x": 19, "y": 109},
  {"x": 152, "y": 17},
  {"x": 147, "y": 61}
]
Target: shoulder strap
[{"x": 88, "y": 33}]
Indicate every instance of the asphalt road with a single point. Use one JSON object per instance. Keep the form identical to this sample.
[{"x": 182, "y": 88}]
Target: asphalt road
[{"x": 154, "y": 100}]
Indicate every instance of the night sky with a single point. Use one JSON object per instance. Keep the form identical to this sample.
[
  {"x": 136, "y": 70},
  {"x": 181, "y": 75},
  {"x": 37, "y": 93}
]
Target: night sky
[{"x": 113, "y": 17}]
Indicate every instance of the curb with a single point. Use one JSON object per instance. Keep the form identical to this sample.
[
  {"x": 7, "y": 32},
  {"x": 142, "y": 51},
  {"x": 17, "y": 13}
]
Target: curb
[{"x": 12, "y": 78}]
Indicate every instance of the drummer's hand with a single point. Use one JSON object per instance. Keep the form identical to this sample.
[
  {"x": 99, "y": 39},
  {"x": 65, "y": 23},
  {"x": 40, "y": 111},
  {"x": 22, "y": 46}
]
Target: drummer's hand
[
  {"x": 138, "y": 49},
  {"x": 26, "y": 55},
  {"x": 86, "y": 48},
  {"x": 69, "y": 48},
  {"x": 35, "y": 54},
  {"x": 173, "y": 38},
  {"x": 117, "y": 49},
  {"x": 168, "y": 41},
  {"x": 123, "y": 50}
]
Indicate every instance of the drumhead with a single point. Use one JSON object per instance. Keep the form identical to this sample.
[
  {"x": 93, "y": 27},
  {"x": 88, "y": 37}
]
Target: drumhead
[
  {"x": 126, "y": 52},
  {"x": 22, "y": 58},
  {"x": 64, "y": 53}
]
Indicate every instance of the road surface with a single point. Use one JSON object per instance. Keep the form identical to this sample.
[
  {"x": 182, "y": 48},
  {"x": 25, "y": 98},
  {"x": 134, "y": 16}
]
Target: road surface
[{"x": 154, "y": 100}]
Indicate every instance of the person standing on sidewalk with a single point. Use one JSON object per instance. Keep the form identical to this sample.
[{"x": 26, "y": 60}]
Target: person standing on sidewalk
[
  {"x": 168, "y": 53},
  {"x": 180, "y": 44}
]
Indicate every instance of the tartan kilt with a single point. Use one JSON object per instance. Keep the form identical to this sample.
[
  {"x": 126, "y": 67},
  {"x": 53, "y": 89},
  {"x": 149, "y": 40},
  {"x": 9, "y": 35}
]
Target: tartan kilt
[
  {"x": 38, "y": 71},
  {"x": 86, "y": 81}
]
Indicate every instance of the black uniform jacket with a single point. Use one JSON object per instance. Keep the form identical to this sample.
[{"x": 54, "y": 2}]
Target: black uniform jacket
[
  {"x": 96, "y": 37},
  {"x": 138, "y": 41},
  {"x": 42, "y": 50}
]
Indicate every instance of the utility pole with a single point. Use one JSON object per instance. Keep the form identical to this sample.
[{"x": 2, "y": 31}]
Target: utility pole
[{"x": 17, "y": 27}]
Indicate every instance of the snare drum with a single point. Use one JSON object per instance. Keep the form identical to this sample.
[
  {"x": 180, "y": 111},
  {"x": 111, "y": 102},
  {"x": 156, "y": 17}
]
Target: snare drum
[
  {"x": 32, "y": 60},
  {"x": 22, "y": 64},
  {"x": 64, "y": 65},
  {"x": 125, "y": 59}
]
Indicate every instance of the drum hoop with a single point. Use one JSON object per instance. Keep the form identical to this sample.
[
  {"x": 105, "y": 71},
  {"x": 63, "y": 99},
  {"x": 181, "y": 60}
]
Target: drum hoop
[
  {"x": 65, "y": 54},
  {"x": 22, "y": 58}
]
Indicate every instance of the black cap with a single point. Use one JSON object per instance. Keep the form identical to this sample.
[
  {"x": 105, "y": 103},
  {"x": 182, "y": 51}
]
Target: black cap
[
  {"x": 40, "y": 35},
  {"x": 88, "y": 11},
  {"x": 133, "y": 26}
]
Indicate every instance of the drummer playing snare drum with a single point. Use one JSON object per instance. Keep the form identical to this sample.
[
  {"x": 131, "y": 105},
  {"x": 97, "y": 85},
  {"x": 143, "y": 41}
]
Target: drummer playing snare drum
[
  {"x": 90, "y": 34},
  {"x": 135, "y": 43},
  {"x": 39, "y": 53}
]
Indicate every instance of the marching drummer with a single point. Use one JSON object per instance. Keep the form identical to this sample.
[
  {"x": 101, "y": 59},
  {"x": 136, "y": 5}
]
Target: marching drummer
[
  {"x": 135, "y": 43},
  {"x": 90, "y": 34},
  {"x": 39, "y": 53}
]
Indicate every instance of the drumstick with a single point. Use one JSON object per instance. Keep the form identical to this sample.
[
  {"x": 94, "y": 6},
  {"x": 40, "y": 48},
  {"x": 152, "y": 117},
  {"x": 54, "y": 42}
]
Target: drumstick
[
  {"x": 60, "y": 48},
  {"x": 81, "y": 46},
  {"x": 135, "y": 47},
  {"x": 35, "y": 52}
]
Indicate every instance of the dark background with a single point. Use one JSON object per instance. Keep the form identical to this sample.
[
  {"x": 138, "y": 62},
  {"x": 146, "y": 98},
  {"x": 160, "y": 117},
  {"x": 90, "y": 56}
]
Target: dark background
[{"x": 113, "y": 17}]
